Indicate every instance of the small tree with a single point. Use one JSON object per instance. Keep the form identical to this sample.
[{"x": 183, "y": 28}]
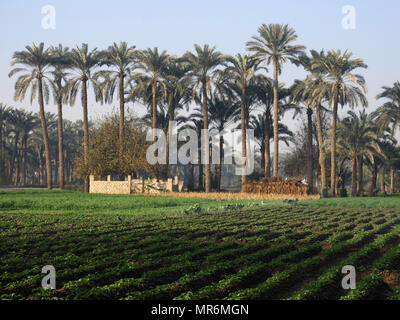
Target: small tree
[{"x": 103, "y": 156}]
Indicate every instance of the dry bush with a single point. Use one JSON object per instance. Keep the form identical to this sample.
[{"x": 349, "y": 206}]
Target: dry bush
[{"x": 276, "y": 185}]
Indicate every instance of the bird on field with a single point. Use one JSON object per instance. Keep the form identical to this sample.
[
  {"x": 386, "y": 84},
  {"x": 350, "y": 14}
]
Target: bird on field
[
  {"x": 119, "y": 218},
  {"x": 290, "y": 201}
]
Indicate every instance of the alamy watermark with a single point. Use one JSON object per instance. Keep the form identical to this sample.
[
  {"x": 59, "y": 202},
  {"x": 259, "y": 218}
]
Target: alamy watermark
[
  {"x": 349, "y": 19},
  {"x": 49, "y": 280},
  {"x": 229, "y": 143},
  {"x": 349, "y": 281},
  {"x": 49, "y": 18}
]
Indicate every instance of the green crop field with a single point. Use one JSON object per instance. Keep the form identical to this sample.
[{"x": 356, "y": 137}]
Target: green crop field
[{"x": 188, "y": 248}]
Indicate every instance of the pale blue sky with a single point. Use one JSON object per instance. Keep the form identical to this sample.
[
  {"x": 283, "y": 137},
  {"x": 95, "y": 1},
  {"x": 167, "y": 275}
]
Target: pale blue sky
[{"x": 176, "y": 25}]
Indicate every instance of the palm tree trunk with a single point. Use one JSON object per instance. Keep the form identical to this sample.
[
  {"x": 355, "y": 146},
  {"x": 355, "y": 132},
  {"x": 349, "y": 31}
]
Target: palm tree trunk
[
  {"x": 200, "y": 182},
  {"x": 267, "y": 147},
  {"x": 154, "y": 120},
  {"x": 60, "y": 138},
  {"x": 85, "y": 131},
  {"x": 171, "y": 118},
  {"x": 333, "y": 141},
  {"x": 337, "y": 185},
  {"x": 40, "y": 167},
  {"x": 23, "y": 161},
  {"x": 391, "y": 181},
  {"x": 372, "y": 186},
  {"x": 121, "y": 117},
  {"x": 44, "y": 134},
  {"x": 324, "y": 190},
  {"x": 354, "y": 176},
  {"x": 243, "y": 127},
  {"x": 262, "y": 155},
  {"x": 276, "y": 141},
  {"x": 191, "y": 181},
  {"x": 382, "y": 182},
  {"x": 154, "y": 111},
  {"x": 14, "y": 154},
  {"x": 16, "y": 174},
  {"x": 219, "y": 177},
  {"x": 360, "y": 180},
  {"x": 206, "y": 149},
  {"x": 310, "y": 168}
]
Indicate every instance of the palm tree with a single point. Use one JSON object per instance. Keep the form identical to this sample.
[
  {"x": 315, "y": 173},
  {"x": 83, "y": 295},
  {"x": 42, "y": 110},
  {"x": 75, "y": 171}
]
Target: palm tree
[
  {"x": 15, "y": 120},
  {"x": 154, "y": 65},
  {"x": 357, "y": 138},
  {"x": 389, "y": 112},
  {"x": 264, "y": 94},
  {"x": 4, "y": 117},
  {"x": 314, "y": 92},
  {"x": 142, "y": 90},
  {"x": 82, "y": 62},
  {"x": 121, "y": 59},
  {"x": 36, "y": 62},
  {"x": 73, "y": 136},
  {"x": 303, "y": 92},
  {"x": 345, "y": 88},
  {"x": 274, "y": 45},
  {"x": 178, "y": 93},
  {"x": 163, "y": 123},
  {"x": 22, "y": 123},
  {"x": 203, "y": 65},
  {"x": 263, "y": 137},
  {"x": 298, "y": 90},
  {"x": 195, "y": 122},
  {"x": 59, "y": 61},
  {"x": 28, "y": 122},
  {"x": 222, "y": 112},
  {"x": 241, "y": 72}
]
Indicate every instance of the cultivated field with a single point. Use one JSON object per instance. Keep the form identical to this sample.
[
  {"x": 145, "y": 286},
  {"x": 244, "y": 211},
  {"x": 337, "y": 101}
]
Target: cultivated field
[{"x": 195, "y": 248}]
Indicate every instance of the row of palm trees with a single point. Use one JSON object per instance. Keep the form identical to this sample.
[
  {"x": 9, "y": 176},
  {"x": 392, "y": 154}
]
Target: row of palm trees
[
  {"x": 22, "y": 149},
  {"x": 206, "y": 77}
]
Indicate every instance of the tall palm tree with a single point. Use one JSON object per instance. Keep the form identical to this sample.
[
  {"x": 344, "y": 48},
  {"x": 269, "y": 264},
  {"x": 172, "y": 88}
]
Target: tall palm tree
[
  {"x": 299, "y": 95},
  {"x": 59, "y": 61},
  {"x": 121, "y": 59},
  {"x": 302, "y": 92},
  {"x": 345, "y": 87},
  {"x": 203, "y": 65},
  {"x": 141, "y": 89},
  {"x": 314, "y": 92},
  {"x": 264, "y": 95},
  {"x": 241, "y": 71},
  {"x": 297, "y": 90},
  {"x": 82, "y": 62},
  {"x": 194, "y": 121},
  {"x": 178, "y": 93},
  {"x": 223, "y": 112},
  {"x": 36, "y": 62},
  {"x": 154, "y": 65},
  {"x": 273, "y": 44}
]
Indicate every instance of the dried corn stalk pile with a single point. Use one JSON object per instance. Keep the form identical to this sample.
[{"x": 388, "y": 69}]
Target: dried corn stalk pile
[{"x": 276, "y": 185}]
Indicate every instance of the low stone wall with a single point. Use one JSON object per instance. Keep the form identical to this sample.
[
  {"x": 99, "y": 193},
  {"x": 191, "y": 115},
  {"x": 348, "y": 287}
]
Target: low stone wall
[
  {"x": 110, "y": 187},
  {"x": 134, "y": 186}
]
